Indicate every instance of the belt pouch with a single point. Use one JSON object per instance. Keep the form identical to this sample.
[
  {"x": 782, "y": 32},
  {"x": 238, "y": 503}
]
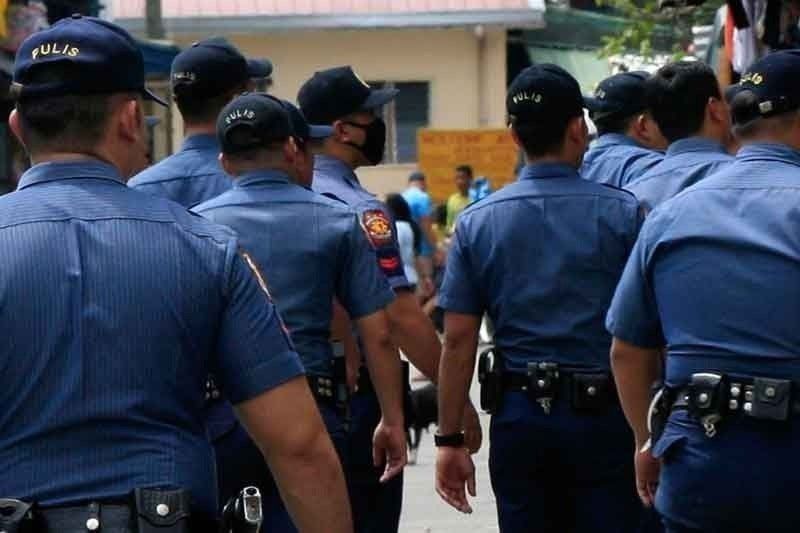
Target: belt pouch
[
  {"x": 591, "y": 391},
  {"x": 162, "y": 511},
  {"x": 772, "y": 399}
]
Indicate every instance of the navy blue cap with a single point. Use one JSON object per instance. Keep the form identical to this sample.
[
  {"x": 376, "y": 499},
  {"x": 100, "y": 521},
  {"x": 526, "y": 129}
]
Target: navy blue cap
[
  {"x": 544, "y": 93},
  {"x": 88, "y": 55},
  {"x": 212, "y": 67},
  {"x": 620, "y": 95},
  {"x": 252, "y": 120},
  {"x": 337, "y": 92},
  {"x": 769, "y": 88}
]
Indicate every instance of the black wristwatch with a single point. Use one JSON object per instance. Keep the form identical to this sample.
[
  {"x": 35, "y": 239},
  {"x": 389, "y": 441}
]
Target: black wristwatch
[{"x": 453, "y": 440}]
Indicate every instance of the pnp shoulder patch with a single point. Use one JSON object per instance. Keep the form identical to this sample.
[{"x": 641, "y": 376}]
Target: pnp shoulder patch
[{"x": 378, "y": 227}]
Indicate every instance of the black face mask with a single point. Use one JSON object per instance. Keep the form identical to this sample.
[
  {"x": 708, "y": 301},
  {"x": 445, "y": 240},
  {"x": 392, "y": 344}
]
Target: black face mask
[{"x": 374, "y": 142}]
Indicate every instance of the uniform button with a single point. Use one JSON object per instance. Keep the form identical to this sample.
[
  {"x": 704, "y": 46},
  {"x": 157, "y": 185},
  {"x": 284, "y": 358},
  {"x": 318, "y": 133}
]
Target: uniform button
[
  {"x": 770, "y": 392},
  {"x": 703, "y": 397},
  {"x": 735, "y": 391},
  {"x": 93, "y": 524},
  {"x": 748, "y": 396},
  {"x": 733, "y": 405},
  {"x": 591, "y": 391},
  {"x": 162, "y": 509},
  {"x": 748, "y": 407}
]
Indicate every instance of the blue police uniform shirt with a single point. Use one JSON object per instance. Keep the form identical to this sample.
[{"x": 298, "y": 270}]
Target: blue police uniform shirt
[
  {"x": 190, "y": 176},
  {"x": 114, "y": 308},
  {"x": 616, "y": 159},
  {"x": 686, "y": 162},
  {"x": 326, "y": 255},
  {"x": 714, "y": 274},
  {"x": 335, "y": 179},
  {"x": 542, "y": 257}
]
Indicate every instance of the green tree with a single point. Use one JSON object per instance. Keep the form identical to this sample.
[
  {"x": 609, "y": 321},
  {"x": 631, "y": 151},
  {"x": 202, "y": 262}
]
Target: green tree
[{"x": 650, "y": 30}]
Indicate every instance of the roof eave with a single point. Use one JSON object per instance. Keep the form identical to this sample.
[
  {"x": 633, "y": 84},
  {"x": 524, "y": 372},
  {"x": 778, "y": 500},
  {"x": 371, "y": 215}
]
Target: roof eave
[{"x": 520, "y": 18}]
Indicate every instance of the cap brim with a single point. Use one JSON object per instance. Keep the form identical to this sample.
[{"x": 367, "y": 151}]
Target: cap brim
[
  {"x": 259, "y": 68},
  {"x": 379, "y": 98},
  {"x": 148, "y": 95},
  {"x": 595, "y": 105},
  {"x": 319, "y": 132}
]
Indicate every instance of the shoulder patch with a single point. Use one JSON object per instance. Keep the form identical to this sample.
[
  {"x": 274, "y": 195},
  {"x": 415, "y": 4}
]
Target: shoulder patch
[{"x": 378, "y": 227}]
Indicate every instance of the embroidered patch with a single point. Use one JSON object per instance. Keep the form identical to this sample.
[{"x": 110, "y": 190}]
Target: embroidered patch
[{"x": 378, "y": 227}]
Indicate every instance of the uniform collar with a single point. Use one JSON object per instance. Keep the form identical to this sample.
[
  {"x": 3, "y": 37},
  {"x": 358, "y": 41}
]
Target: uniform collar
[
  {"x": 201, "y": 141},
  {"x": 328, "y": 165},
  {"x": 61, "y": 170},
  {"x": 616, "y": 139},
  {"x": 695, "y": 144},
  {"x": 548, "y": 170},
  {"x": 259, "y": 177},
  {"x": 761, "y": 151}
]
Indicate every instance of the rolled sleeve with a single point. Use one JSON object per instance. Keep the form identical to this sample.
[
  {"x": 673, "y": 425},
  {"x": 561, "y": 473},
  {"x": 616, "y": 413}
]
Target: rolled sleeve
[
  {"x": 255, "y": 353},
  {"x": 633, "y": 316},
  {"x": 362, "y": 287},
  {"x": 459, "y": 292}
]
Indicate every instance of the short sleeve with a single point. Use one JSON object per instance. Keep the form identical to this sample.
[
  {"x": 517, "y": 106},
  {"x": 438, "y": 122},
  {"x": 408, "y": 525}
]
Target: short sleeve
[
  {"x": 381, "y": 234},
  {"x": 459, "y": 293},
  {"x": 254, "y": 350},
  {"x": 361, "y": 287},
  {"x": 633, "y": 316}
]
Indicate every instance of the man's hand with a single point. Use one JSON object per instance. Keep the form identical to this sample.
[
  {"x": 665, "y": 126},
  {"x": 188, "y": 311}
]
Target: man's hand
[
  {"x": 454, "y": 472},
  {"x": 389, "y": 449},
  {"x": 648, "y": 469},
  {"x": 473, "y": 435}
]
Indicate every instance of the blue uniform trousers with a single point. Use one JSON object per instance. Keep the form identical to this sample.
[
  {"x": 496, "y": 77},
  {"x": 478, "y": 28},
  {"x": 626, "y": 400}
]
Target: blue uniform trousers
[
  {"x": 744, "y": 479},
  {"x": 240, "y": 464},
  {"x": 376, "y": 506},
  {"x": 563, "y": 472}
]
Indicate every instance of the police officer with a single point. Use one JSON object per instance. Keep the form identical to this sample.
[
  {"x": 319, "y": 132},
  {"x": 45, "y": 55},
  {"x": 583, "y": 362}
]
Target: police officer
[
  {"x": 339, "y": 98},
  {"x": 713, "y": 282},
  {"x": 688, "y": 106},
  {"x": 541, "y": 257},
  {"x": 265, "y": 146},
  {"x": 115, "y": 306},
  {"x": 204, "y": 78},
  {"x": 629, "y": 142}
]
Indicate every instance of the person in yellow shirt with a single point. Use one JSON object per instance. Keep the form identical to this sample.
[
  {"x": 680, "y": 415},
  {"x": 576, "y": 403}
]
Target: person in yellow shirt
[{"x": 460, "y": 199}]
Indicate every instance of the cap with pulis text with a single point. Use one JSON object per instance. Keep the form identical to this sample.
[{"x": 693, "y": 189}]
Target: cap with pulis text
[
  {"x": 769, "y": 88},
  {"x": 212, "y": 67},
  {"x": 253, "y": 120},
  {"x": 79, "y": 55},
  {"x": 337, "y": 92},
  {"x": 544, "y": 93},
  {"x": 620, "y": 95}
]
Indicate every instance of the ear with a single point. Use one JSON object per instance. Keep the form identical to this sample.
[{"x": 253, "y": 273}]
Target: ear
[
  {"x": 515, "y": 137},
  {"x": 290, "y": 150},
  {"x": 578, "y": 131},
  {"x": 130, "y": 120},
  {"x": 226, "y": 165},
  {"x": 717, "y": 111},
  {"x": 341, "y": 133},
  {"x": 14, "y": 122}
]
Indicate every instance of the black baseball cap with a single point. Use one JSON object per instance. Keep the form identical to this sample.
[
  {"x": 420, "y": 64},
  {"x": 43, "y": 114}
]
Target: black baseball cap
[
  {"x": 620, "y": 95},
  {"x": 93, "y": 56},
  {"x": 544, "y": 93},
  {"x": 211, "y": 67},
  {"x": 336, "y": 92},
  {"x": 771, "y": 87},
  {"x": 259, "y": 119}
]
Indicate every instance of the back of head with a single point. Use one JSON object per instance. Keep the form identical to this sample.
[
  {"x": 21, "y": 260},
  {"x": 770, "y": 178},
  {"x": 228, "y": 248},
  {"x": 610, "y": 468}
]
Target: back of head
[
  {"x": 677, "y": 96},
  {"x": 617, "y": 101},
  {"x": 466, "y": 170},
  {"x": 541, "y": 103}
]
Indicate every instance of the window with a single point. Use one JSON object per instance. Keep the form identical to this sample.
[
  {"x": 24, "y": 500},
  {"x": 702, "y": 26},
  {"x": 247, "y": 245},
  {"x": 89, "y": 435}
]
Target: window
[{"x": 404, "y": 116}]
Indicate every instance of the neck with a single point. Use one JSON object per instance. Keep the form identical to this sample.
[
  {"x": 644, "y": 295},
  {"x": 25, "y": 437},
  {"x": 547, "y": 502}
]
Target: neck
[
  {"x": 69, "y": 157},
  {"x": 551, "y": 158},
  {"x": 344, "y": 153},
  {"x": 200, "y": 129}
]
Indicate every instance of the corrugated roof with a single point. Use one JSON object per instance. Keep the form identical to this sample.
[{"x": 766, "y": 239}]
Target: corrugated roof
[{"x": 228, "y": 8}]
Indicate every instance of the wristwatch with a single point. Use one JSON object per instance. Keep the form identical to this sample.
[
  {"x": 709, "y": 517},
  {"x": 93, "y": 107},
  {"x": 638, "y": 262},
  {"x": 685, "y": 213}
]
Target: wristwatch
[{"x": 453, "y": 440}]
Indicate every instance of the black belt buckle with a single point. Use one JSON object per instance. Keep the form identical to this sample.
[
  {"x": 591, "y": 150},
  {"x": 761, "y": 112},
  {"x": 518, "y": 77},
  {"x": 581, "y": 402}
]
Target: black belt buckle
[
  {"x": 15, "y": 516},
  {"x": 771, "y": 399},
  {"x": 591, "y": 391},
  {"x": 543, "y": 382},
  {"x": 708, "y": 400}
]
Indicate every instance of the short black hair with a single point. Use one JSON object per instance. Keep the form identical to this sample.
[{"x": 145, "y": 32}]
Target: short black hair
[
  {"x": 464, "y": 169},
  {"x": 68, "y": 123},
  {"x": 540, "y": 139},
  {"x": 614, "y": 123},
  {"x": 196, "y": 109},
  {"x": 677, "y": 96}
]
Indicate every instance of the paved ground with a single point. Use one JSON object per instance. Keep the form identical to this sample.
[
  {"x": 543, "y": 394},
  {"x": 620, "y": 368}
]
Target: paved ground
[{"x": 425, "y": 512}]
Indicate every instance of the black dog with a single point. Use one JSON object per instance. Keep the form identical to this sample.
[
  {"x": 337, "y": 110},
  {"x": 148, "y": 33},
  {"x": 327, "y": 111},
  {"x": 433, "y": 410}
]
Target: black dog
[{"x": 424, "y": 412}]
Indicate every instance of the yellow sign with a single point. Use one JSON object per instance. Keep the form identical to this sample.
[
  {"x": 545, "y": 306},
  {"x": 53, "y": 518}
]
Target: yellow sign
[{"x": 490, "y": 152}]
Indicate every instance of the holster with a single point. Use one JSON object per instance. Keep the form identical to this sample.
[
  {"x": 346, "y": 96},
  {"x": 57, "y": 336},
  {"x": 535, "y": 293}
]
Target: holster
[
  {"x": 15, "y": 516},
  {"x": 243, "y": 513},
  {"x": 491, "y": 371},
  {"x": 660, "y": 406},
  {"x": 162, "y": 511}
]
